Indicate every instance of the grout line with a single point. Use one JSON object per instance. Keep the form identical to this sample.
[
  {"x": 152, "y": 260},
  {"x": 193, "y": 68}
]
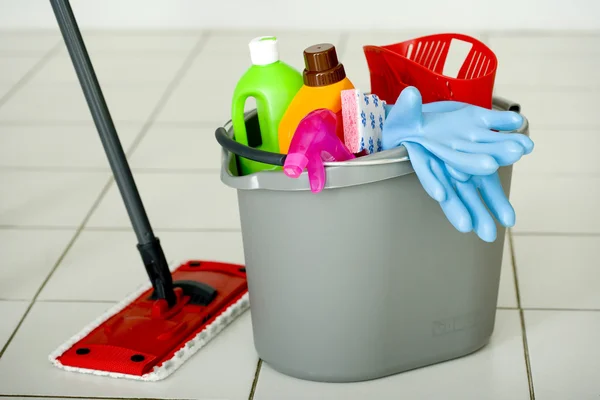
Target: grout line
[
  {"x": 86, "y": 123},
  {"x": 342, "y": 46},
  {"x": 142, "y": 170},
  {"x": 566, "y": 309},
  {"x": 514, "y": 268},
  {"x": 188, "y": 124},
  {"x": 255, "y": 381},
  {"x": 38, "y": 228},
  {"x": 108, "y": 184},
  {"x": 163, "y": 229},
  {"x": 49, "y": 168},
  {"x": 542, "y": 33},
  {"x": 174, "y": 84},
  {"x": 86, "y": 301},
  {"x": 521, "y": 318},
  {"x": 56, "y": 265},
  {"x": 484, "y": 37},
  {"x": 41, "y": 396},
  {"x": 31, "y": 73},
  {"x": 507, "y": 308},
  {"x": 527, "y": 356},
  {"x": 114, "y": 229},
  {"x": 557, "y": 234},
  {"x": 62, "y": 123}
]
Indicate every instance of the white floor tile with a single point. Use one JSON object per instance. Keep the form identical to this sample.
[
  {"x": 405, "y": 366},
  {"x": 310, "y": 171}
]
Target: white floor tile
[
  {"x": 495, "y": 372},
  {"x": 216, "y": 70},
  {"x": 558, "y": 272},
  {"x": 175, "y": 201},
  {"x": 48, "y": 198},
  {"x": 58, "y": 146},
  {"x": 113, "y": 69},
  {"x": 41, "y": 398},
  {"x": 564, "y": 353},
  {"x": 66, "y": 103},
  {"x": 507, "y": 295},
  {"x": 553, "y": 71},
  {"x": 224, "y": 369},
  {"x": 15, "y": 67},
  {"x": 358, "y": 72},
  {"x": 4, "y": 89},
  {"x": 27, "y": 258},
  {"x": 206, "y": 102},
  {"x": 173, "y": 147},
  {"x": 559, "y": 152},
  {"x": 564, "y": 204},
  {"x": 532, "y": 45},
  {"x": 291, "y": 44},
  {"x": 28, "y": 43},
  {"x": 356, "y": 41},
  {"x": 12, "y": 312},
  {"x": 102, "y": 255},
  {"x": 554, "y": 108},
  {"x": 163, "y": 44}
]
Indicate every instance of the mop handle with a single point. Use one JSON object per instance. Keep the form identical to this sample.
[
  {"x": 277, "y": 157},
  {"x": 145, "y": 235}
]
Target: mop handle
[
  {"x": 103, "y": 120},
  {"x": 148, "y": 244}
]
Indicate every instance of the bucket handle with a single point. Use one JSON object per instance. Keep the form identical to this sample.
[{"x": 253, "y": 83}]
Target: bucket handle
[{"x": 265, "y": 157}]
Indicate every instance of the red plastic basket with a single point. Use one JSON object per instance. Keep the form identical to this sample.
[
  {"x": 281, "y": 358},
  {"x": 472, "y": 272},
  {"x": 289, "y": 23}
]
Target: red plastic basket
[{"x": 420, "y": 62}]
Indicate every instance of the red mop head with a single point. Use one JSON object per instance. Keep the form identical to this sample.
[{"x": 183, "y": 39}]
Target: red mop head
[{"x": 141, "y": 338}]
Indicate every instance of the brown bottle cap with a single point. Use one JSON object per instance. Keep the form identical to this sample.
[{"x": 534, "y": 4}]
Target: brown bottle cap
[{"x": 322, "y": 67}]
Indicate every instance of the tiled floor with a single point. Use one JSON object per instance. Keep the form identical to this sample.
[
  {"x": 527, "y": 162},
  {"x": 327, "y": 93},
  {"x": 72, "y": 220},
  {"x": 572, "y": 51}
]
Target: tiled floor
[{"x": 68, "y": 251}]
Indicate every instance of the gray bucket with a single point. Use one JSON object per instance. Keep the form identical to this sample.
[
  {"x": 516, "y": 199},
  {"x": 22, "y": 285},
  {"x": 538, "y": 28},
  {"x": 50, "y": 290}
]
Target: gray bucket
[{"x": 367, "y": 278}]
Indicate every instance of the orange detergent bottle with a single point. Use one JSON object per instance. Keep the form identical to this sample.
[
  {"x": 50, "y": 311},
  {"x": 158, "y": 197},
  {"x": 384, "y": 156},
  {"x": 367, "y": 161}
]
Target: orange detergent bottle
[{"x": 324, "y": 79}]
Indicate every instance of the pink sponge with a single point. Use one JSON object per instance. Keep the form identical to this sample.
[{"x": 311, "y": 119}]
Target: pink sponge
[
  {"x": 349, "y": 113},
  {"x": 363, "y": 116}
]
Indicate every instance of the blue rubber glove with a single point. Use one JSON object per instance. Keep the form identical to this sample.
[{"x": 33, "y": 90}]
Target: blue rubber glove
[
  {"x": 459, "y": 134},
  {"x": 461, "y": 201}
]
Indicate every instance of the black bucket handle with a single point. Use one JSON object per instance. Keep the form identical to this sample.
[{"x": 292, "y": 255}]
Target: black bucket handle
[{"x": 229, "y": 144}]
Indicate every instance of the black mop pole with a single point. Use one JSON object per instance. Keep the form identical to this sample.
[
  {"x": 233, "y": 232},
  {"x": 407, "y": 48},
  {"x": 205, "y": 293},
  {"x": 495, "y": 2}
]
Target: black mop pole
[{"x": 148, "y": 245}]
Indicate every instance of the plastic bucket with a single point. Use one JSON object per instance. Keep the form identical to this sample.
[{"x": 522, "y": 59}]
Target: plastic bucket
[{"x": 365, "y": 279}]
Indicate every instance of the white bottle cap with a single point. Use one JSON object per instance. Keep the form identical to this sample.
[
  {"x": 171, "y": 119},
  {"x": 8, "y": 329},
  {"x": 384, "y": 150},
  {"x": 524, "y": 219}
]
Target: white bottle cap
[{"x": 263, "y": 50}]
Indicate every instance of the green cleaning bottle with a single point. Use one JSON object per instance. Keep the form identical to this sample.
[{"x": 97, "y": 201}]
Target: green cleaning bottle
[{"x": 273, "y": 84}]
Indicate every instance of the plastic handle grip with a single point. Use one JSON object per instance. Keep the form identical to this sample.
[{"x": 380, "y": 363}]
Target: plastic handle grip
[{"x": 250, "y": 153}]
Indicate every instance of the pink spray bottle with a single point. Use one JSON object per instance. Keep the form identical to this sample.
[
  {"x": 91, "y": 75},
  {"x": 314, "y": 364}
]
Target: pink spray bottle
[{"x": 315, "y": 142}]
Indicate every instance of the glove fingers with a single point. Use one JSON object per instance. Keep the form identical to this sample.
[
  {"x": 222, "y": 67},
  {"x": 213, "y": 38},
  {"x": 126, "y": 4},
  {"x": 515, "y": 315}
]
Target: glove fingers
[
  {"x": 487, "y": 136},
  {"x": 421, "y": 162},
  {"x": 453, "y": 207},
  {"x": 457, "y": 175},
  {"x": 505, "y": 152},
  {"x": 468, "y": 163},
  {"x": 492, "y": 193},
  {"x": 501, "y": 120},
  {"x": 444, "y": 106},
  {"x": 483, "y": 224}
]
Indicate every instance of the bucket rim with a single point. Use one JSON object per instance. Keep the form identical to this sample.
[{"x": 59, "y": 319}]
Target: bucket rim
[{"x": 400, "y": 154}]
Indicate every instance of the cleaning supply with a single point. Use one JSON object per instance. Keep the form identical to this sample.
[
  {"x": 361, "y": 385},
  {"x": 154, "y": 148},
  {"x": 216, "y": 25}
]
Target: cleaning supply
[
  {"x": 324, "y": 79},
  {"x": 465, "y": 204},
  {"x": 363, "y": 118},
  {"x": 456, "y": 155},
  {"x": 463, "y": 138},
  {"x": 421, "y": 63},
  {"x": 314, "y": 142},
  {"x": 273, "y": 84},
  {"x": 155, "y": 330}
]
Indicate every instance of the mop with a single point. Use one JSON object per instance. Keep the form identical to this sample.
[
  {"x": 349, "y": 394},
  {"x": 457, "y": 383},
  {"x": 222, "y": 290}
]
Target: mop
[{"x": 157, "y": 328}]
